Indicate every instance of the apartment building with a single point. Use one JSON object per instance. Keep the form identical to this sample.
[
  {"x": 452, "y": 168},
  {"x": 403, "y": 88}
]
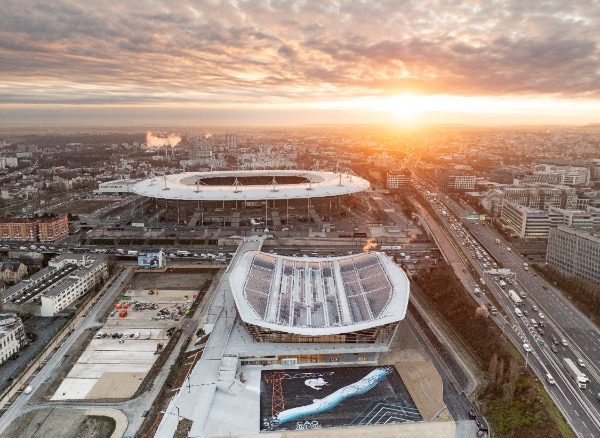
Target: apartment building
[
  {"x": 34, "y": 230},
  {"x": 51, "y": 290},
  {"x": 12, "y": 335},
  {"x": 12, "y": 271}
]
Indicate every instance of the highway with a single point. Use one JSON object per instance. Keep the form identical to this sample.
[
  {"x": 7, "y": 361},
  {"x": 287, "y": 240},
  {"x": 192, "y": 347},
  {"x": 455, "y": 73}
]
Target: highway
[{"x": 580, "y": 406}]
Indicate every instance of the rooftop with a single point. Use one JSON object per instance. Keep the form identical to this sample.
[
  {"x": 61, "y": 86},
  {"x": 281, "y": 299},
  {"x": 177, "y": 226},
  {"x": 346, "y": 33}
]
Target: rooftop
[
  {"x": 319, "y": 296},
  {"x": 62, "y": 271}
]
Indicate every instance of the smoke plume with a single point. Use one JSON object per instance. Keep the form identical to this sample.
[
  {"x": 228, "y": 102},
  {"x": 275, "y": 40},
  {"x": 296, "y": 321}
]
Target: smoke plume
[
  {"x": 158, "y": 140},
  {"x": 369, "y": 245}
]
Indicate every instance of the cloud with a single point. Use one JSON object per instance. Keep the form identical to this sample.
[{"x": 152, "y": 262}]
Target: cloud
[{"x": 257, "y": 51}]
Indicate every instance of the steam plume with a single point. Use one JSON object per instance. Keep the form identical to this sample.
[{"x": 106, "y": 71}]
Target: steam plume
[
  {"x": 369, "y": 245},
  {"x": 158, "y": 140}
]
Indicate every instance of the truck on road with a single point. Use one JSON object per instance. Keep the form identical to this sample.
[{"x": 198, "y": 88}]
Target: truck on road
[
  {"x": 515, "y": 298},
  {"x": 502, "y": 284},
  {"x": 575, "y": 374}
]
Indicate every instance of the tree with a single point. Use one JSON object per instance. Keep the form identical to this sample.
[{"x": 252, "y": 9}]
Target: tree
[{"x": 482, "y": 311}]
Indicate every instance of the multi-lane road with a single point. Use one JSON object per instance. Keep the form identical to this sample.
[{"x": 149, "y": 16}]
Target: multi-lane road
[{"x": 463, "y": 238}]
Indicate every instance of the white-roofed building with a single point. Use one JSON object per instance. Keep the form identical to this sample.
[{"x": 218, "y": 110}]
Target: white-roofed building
[
  {"x": 47, "y": 292},
  {"x": 119, "y": 186},
  {"x": 353, "y": 299},
  {"x": 250, "y": 185}
]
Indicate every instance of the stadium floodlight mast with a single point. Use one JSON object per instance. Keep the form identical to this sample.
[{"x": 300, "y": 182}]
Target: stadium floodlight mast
[{"x": 236, "y": 186}]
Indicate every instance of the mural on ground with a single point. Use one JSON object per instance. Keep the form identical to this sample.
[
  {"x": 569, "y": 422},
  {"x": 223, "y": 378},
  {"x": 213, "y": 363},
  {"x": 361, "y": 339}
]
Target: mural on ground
[{"x": 312, "y": 398}]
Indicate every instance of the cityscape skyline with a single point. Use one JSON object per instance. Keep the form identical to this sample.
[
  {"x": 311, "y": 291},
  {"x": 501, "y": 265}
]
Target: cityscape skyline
[{"x": 252, "y": 63}]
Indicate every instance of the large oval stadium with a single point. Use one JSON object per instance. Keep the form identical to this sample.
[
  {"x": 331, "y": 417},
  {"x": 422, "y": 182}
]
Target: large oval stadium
[
  {"x": 250, "y": 185},
  {"x": 236, "y": 198}
]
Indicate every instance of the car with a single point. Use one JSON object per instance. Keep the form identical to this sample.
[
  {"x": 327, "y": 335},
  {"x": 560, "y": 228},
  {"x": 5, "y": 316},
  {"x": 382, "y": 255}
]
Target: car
[
  {"x": 545, "y": 287},
  {"x": 554, "y": 349},
  {"x": 541, "y": 315},
  {"x": 28, "y": 390},
  {"x": 525, "y": 312},
  {"x": 564, "y": 342},
  {"x": 527, "y": 347},
  {"x": 534, "y": 308},
  {"x": 550, "y": 379},
  {"x": 580, "y": 362}
]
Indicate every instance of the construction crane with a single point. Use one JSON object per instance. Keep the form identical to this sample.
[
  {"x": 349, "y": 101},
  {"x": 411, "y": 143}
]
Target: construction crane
[{"x": 277, "y": 399}]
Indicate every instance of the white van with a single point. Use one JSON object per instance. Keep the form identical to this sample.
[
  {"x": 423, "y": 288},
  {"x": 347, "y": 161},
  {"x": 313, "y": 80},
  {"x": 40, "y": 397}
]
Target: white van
[
  {"x": 550, "y": 379},
  {"x": 518, "y": 312}
]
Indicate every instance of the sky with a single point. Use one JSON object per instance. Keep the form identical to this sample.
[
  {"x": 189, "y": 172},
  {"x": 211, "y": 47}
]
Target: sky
[{"x": 292, "y": 62}]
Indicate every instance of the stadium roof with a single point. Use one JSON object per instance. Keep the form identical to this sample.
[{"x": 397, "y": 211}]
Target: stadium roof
[
  {"x": 319, "y": 296},
  {"x": 188, "y": 186}
]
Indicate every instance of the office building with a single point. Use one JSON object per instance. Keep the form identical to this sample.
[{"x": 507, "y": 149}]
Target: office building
[
  {"x": 524, "y": 222},
  {"x": 564, "y": 175},
  {"x": 398, "y": 180},
  {"x": 451, "y": 180},
  {"x": 574, "y": 253}
]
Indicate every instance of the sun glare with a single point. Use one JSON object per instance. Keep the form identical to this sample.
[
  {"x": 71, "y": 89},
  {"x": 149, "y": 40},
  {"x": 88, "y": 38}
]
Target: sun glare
[{"x": 405, "y": 108}]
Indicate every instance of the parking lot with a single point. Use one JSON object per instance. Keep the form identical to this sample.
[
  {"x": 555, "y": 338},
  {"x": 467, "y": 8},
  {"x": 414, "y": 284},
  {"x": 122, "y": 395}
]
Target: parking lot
[{"x": 123, "y": 351}]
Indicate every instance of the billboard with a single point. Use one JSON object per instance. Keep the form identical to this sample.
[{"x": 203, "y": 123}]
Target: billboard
[{"x": 151, "y": 260}]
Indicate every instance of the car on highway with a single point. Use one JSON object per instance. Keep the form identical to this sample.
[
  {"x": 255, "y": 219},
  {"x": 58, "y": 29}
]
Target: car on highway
[
  {"x": 550, "y": 379},
  {"x": 580, "y": 362},
  {"x": 534, "y": 308},
  {"x": 541, "y": 315},
  {"x": 28, "y": 390},
  {"x": 554, "y": 349},
  {"x": 564, "y": 342},
  {"x": 527, "y": 347}
]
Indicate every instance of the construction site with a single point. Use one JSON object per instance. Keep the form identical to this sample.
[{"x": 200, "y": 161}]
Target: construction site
[{"x": 123, "y": 351}]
